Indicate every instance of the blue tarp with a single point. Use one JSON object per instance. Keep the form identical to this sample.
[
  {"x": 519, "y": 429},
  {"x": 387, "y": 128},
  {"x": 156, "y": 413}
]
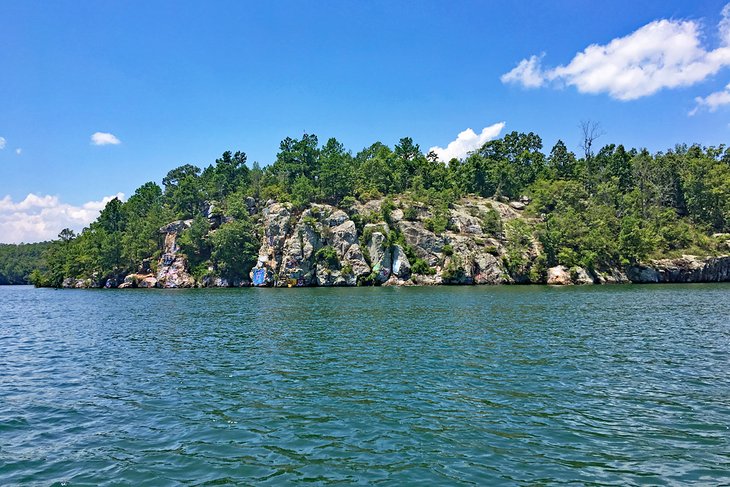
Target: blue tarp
[{"x": 259, "y": 277}]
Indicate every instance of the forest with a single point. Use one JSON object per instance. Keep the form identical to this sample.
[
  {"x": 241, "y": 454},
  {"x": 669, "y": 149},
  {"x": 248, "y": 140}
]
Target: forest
[
  {"x": 610, "y": 207},
  {"x": 17, "y": 262}
]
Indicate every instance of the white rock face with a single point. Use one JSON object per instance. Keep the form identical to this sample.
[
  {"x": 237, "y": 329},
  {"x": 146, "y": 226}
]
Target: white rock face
[{"x": 173, "y": 266}]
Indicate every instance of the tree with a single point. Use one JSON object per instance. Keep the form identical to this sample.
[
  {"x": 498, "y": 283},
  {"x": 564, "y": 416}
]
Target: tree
[
  {"x": 335, "y": 174},
  {"x": 562, "y": 162},
  {"x": 590, "y": 131},
  {"x": 235, "y": 248},
  {"x": 297, "y": 157},
  {"x": 67, "y": 235},
  {"x": 183, "y": 190}
]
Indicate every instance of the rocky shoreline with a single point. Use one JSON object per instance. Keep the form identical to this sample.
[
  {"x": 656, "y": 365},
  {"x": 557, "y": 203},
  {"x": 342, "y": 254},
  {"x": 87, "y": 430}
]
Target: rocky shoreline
[{"x": 366, "y": 244}]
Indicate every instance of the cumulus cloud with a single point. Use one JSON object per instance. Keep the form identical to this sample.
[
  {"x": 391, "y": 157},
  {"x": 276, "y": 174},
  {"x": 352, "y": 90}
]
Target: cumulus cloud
[
  {"x": 104, "y": 138},
  {"x": 662, "y": 54},
  {"x": 467, "y": 141},
  {"x": 2, "y": 143},
  {"x": 42, "y": 217},
  {"x": 527, "y": 73},
  {"x": 712, "y": 101}
]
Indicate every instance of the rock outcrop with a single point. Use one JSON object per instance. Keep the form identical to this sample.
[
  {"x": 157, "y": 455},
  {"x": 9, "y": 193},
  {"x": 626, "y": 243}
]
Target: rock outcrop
[
  {"x": 319, "y": 247},
  {"x": 687, "y": 268},
  {"x": 173, "y": 265},
  {"x": 474, "y": 241}
]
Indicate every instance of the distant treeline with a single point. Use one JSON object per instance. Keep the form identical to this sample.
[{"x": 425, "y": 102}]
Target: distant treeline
[
  {"x": 18, "y": 261},
  {"x": 612, "y": 207}
]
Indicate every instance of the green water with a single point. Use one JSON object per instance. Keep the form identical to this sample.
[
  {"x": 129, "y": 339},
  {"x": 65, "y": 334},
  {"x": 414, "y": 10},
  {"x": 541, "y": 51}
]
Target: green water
[{"x": 440, "y": 386}]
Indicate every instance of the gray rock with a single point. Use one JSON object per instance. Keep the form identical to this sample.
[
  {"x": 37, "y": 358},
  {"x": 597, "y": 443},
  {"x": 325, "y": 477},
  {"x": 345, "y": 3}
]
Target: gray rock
[
  {"x": 401, "y": 266},
  {"x": 517, "y": 205},
  {"x": 380, "y": 256}
]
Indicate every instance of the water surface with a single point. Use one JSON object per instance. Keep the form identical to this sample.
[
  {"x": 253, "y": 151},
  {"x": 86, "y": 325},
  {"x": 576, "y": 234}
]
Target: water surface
[{"x": 444, "y": 386}]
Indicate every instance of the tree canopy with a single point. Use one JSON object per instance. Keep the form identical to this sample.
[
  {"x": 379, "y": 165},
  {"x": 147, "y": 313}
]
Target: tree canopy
[{"x": 610, "y": 206}]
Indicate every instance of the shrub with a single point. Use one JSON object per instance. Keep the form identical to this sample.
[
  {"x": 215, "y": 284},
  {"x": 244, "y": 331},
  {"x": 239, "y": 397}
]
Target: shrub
[
  {"x": 491, "y": 222},
  {"x": 329, "y": 255},
  {"x": 420, "y": 266},
  {"x": 410, "y": 214}
]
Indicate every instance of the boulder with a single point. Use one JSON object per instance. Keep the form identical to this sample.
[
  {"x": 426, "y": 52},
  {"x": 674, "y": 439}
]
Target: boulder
[
  {"x": 580, "y": 276},
  {"x": 401, "y": 267},
  {"x": 139, "y": 280},
  {"x": 250, "y": 205},
  {"x": 487, "y": 268},
  {"x": 517, "y": 205},
  {"x": 426, "y": 244},
  {"x": 380, "y": 256},
  {"x": 355, "y": 259},
  {"x": 559, "y": 276},
  {"x": 642, "y": 274}
]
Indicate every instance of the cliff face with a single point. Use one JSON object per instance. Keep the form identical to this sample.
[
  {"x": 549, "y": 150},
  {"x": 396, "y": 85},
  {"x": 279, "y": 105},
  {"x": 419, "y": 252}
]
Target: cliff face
[
  {"x": 477, "y": 241},
  {"x": 324, "y": 246},
  {"x": 687, "y": 268}
]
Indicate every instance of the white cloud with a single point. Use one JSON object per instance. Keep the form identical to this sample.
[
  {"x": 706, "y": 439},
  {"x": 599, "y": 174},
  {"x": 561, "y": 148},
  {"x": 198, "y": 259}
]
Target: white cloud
[
  {"x": 528, "y": 73},
  {"x": 18, "y": 150},
  {"x": 662, "y": 54},
  {"x": 2, "y": 143},
  {"x": 712, "y": 101},
  {"x": 467, "y": 141},
  {"x": 42, "y": 217},
  {"x": 104, "y": 138}
]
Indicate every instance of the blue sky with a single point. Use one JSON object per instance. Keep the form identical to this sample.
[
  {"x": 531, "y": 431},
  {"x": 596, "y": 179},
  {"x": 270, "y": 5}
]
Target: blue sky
[{"x": 176, "y": 83}]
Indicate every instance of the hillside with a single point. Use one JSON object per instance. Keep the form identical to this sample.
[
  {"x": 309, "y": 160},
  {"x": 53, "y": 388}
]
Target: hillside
[
  {"x": 507, "y": 213},
  {"x": 18, "y": 261}
]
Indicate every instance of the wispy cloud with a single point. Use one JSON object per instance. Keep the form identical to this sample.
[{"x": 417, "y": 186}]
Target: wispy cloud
[
  {"x": 104, "y": 138},
  {"x": 713, "y": 101},
  {"x": 2, "y": 143},
  {"x": 467, "y": 141},
  {"x": 528, "y": 73},
  {"x": 42, "y": 217},
  {"x": 660, "y": 55},
  {"x": 18, "y": 151}
]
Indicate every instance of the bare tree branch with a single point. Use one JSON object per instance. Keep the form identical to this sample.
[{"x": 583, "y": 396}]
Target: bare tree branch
[{"x": 590, "y": 130}]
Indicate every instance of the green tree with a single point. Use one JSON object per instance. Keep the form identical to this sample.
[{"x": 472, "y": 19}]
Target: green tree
[{"x": 235, "y": 248}]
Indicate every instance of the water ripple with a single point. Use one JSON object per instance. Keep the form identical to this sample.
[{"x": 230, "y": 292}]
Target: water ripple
[{"x": 624, "y": 385}]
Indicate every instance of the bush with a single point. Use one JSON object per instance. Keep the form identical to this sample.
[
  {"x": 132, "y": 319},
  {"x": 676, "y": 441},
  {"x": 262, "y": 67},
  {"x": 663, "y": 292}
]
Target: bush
[
  {"x": 328, "y": 255},
  {"x": 420, "y": 266},
  {"x": 410, "y": 214},
  {"x": 491, "y": 222}
]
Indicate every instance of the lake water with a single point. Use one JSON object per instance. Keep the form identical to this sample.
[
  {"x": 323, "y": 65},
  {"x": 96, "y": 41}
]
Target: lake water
[{"x": 442, "y": 386}]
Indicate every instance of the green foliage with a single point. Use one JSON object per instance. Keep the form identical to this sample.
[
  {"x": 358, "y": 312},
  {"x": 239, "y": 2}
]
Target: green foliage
[
  {"x": 448, "y": 250},
  {"x": 438, "y": 223},
  {"x": 420, "y": 266},
  {"x": 328, "y": 255},
  {"x": 410, "y": 213},
  {"x": 302, "y": 192},
  {"x": 234, "y": 248},
  {"x": 19, "y": 262},
  {"x": 619, "y": 206},
  {"x": 454, "y": 270},
  {"x": 194, "y": 242},
  {"x": 491, "y": 222}
]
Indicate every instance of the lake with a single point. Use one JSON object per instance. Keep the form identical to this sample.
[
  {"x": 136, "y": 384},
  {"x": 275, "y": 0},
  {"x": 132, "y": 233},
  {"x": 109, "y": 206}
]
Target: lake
[{"x": 441, "y": 386}]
